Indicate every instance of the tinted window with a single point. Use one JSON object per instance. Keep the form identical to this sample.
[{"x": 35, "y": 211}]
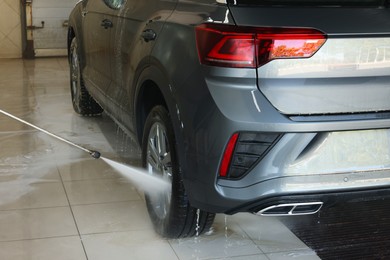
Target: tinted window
[{"x": 344, "y": 3}]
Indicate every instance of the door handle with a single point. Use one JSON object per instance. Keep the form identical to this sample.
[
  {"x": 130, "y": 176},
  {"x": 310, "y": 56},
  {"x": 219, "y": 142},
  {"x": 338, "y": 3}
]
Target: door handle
[
  {"x": 148, "y": 35},
  {"x": 106, "y": 24}
]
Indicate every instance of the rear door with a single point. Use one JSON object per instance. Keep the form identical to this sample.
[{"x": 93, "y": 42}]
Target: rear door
[
  {"x": 137, "y": 25},
  {"x": 350, "y": 73}
]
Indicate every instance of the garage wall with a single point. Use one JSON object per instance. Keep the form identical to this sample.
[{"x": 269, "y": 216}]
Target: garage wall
[
  {"x": 10, "y": 29},
  {"x": 51, "y": 40}
]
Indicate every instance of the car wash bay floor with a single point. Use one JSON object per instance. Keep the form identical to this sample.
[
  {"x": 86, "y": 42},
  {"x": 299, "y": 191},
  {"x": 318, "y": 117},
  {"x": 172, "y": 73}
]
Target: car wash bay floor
[{"x": 56, "y": 202}]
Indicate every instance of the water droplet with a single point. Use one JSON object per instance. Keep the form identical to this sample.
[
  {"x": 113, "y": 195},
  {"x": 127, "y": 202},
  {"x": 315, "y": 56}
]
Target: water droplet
[
  {"x": 210, "y": 232},
  {"x": 197, "y": 222},
  {"x": 226, "y": 227}
]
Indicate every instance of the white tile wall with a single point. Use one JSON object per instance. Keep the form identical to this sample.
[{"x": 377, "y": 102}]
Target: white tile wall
[{"x": 10, "y": 29}]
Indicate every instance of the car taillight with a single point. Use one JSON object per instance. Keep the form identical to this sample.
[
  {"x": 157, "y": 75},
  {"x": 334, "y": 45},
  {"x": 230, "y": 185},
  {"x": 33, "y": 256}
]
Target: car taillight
[{"x": 251, "y": 47}]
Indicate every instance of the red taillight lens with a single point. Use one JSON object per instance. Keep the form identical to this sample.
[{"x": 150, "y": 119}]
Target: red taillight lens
[
  {"x": 250, "y": 47},
  {"x": 234, "y": 50},
  {"x": 227, "y": 156}
]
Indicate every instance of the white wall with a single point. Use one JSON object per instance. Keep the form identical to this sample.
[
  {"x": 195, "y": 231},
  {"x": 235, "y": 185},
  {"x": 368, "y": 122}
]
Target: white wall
[
  {"x": 52, "y": 38},
  {"x": 48, "y": 41},
  {"x": 10, "y": 29}
]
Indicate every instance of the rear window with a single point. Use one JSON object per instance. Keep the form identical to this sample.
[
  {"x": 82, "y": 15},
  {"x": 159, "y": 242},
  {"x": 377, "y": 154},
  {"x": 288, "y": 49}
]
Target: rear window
[{"x": 340, "y": 3}]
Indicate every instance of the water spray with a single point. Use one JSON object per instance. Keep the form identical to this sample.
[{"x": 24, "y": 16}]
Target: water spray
[
  {"x": 143, "y": 180},
  {"x": 94, "y": 154}
]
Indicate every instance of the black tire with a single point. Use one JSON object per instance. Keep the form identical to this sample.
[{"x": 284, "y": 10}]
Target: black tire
[
  {"x": 171, "y": 213},
  {"x": 82, "y": 101}
]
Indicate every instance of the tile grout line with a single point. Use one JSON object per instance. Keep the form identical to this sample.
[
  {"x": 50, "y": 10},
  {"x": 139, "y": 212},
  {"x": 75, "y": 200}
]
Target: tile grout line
[
  {"x": 170, "y": 245},
  {"x": 74, "y": 218},
  {"x": 35, "y": 238},
  {"x": 253, "y": 241}
]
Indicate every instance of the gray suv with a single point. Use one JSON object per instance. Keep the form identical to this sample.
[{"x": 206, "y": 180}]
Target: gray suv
[{"x": 275, "y": 107}]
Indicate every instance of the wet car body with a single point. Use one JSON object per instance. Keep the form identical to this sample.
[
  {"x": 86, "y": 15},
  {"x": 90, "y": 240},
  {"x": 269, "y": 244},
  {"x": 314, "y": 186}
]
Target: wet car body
[{"x": 300, "y": 129}]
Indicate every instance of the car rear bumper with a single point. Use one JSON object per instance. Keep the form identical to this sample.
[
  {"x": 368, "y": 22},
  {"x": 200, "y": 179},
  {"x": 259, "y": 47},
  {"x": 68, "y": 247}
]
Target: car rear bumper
[
  {"x": 222, "y": 197},
  {"x": 328, "y": 199},
  {"x": 310, "y": 157}
]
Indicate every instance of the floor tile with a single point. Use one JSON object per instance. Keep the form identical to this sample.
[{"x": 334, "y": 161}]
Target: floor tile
[
  {"x": 23, "y": 147},
  {"x": 12, "y": 69},
  {"x": 245, "y": 257},
  {"x": 8, "y": 125},
  {"x": 299, "y": 254},
  {"x": 225, "y": 242},
  {"x": 66, "y": 154},
  {"x": 134, "y": 245},
  {"x": 37, "y": 170},
  {"x": 63, "y": 248},
  {"x": 100, "y": 191},
  {"x": 18, "y": 103},
  {"x": 64, "y": 63},
  {"x": 269, "y": 233},
  {"x": 25, "y": 195},
  {"x": 36, "y": 223},
  {"x": 87, "y": 170},
  {"x": 110, "y": 217}
]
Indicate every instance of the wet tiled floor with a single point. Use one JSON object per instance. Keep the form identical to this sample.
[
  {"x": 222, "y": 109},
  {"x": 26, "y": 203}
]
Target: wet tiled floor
[{"x": 56, "y": 202}]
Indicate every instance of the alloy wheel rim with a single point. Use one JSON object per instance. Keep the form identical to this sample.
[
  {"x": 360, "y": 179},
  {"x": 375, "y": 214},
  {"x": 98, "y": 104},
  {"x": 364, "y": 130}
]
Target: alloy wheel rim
[
  {"x": 75, "y": 75},
  {"x": 159, "y": 162}
]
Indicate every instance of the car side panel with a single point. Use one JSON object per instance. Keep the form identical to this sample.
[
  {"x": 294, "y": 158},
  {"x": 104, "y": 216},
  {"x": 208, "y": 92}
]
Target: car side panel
[
  {"x": 97, "y": 70},
  {"x": 189, "y": 101},
  {"x": 130, "y": 52}
]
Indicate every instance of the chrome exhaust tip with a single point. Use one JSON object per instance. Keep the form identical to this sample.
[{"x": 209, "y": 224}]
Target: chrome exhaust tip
[{"x": 291, "y": 209}]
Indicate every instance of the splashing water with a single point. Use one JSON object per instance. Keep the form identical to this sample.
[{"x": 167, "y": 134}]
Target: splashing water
[
  {"x": 139, "y": 177},
  {"x": 197, "y": 222},
  {"x": 143, "y": 180}
]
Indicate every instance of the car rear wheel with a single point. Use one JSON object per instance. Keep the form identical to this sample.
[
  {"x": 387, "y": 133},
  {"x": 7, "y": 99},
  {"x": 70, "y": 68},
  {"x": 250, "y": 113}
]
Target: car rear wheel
[
  {"x": 171, "y": 213},
  {"x": 82, "y": 101}
]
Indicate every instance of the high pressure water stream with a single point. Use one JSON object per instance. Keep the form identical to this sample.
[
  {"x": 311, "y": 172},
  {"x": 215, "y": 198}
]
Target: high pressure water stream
[{"x": 139, "y": 177}]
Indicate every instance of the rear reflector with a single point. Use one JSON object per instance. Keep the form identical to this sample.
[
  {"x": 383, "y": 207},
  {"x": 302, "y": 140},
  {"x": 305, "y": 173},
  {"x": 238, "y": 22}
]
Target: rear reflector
[
  {"x": 251, "y": 47},
  {"x": 227, "y": 156}
]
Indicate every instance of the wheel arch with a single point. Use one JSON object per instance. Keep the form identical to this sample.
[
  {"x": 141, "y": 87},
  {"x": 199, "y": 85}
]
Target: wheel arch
[
  {"x": 149, "y": 95},
  {"x": 71, "y": 35},
  {"x": 75, "y": 30},
  {"x": 153, "y": 88}
]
